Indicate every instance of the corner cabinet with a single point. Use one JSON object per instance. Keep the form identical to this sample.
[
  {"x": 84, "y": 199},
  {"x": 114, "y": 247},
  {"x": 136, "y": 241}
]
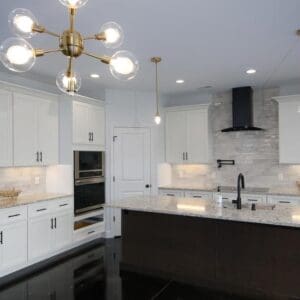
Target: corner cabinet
[
  {"x": 88, "y": 124},
  {"x": 35, "y": 130},
  {"x": 289, "y": 124},
  {"x": 188, "y": 136}
]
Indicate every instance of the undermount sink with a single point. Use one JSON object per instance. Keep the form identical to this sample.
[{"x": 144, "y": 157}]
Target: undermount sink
[{"x": 258, "y": 206}]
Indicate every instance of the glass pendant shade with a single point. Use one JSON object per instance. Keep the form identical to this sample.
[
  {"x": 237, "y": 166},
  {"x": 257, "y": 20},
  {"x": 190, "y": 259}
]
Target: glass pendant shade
[
  {"x": 17, "y": 55},
  {"x": 157, "y": 119},
  {"x": 124, "y": 65},
  {"x": 73, "y": 3},
  {"x": 114, "y": 35},
  {"x": 69, "y": 84},
  {"x": 21, "y": 22}
]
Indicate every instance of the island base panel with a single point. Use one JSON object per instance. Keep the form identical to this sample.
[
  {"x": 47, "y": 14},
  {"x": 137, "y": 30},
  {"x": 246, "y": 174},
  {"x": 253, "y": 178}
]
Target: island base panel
[{"x": 256, "y": 260}]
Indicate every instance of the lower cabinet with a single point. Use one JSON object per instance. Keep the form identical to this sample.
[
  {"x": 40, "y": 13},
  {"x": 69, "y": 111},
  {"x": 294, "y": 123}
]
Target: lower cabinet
[
  {"x": 16, "y": 292},
  {"x": 13, "y": 239},
  {"x": 50, "y": 228}
]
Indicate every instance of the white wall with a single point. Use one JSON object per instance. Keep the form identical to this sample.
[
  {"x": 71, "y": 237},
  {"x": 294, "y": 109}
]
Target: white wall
[{"x": 131, "y": 109}]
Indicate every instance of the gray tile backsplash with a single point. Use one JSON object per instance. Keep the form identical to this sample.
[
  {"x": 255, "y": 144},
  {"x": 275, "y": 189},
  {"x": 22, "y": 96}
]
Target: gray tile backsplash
[{"x": 256, "y": 153}]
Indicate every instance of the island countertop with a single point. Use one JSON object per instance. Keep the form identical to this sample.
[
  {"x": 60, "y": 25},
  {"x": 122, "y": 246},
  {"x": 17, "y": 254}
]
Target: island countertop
[{"x": 281, "y": 215}]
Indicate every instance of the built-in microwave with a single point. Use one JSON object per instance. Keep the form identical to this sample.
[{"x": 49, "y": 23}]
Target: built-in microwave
[{"x": 89, "y": 181}]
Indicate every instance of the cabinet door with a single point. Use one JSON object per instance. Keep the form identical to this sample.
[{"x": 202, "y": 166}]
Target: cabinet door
[
  {"x": 63, "y": 230},
  {"x": 80, "y": 123},
  {"x": 197, "y": 137},
  {"x": 289, "y": 124},
  {"x": 14, "y": 247},
  {"x": 40, "y": 237},
  {"x": 16, "y": 292},
  {"x": 25, "y": 130},
  {"x": 6, "y": 129},
  {"x": 97, "y": 125},
  {"x": 48, "y": 131},
  {"x": 175, "y": 136}
]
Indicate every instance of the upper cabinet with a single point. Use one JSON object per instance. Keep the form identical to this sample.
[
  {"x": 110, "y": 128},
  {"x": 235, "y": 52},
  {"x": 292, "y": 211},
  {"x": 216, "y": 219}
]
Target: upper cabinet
[
  {"x": 289, "y": 125},
  {"x": 88, "y": 125},
  {"x": 188, "y": 138},
  {"x": 6, "y": 137}
]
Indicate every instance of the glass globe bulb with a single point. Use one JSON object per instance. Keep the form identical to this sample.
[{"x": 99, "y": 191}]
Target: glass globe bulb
[
  {"x": 157, "y": 119},
  {"x": 69, "y": 84},
  {"x": 17, "y": 55},
  {"x": 21, "y": 22},
  {"x": 73, "y": 3},
  {"x": 114, "y": 35},
  {"x": 124, "y": 65}
]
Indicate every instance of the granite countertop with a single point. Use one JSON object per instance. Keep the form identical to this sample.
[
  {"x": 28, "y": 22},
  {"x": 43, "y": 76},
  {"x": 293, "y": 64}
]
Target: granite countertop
[
  {"x": 280, "y": 216},
  {"x": 230, "y": 189},
  {"x": 30, "y": 199}
]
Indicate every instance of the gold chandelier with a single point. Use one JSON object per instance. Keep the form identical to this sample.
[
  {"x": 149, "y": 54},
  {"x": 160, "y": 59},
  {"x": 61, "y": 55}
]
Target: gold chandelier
[{"x": 18, "y": 55}]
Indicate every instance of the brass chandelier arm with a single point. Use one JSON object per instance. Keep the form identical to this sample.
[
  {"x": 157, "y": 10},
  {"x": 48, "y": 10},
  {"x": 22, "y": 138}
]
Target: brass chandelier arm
[
  {"x": 103, "y": 58},
  {"x": 72, "y": 12},
  {"x": 70, "y": 67},
  {"x": 42, "y": 52},
  {"x": 42, "y": 29},
  {"x": 99, "y": 37}
]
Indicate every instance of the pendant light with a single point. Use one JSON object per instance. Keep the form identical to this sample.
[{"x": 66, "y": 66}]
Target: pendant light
[{"x": 157, "y": 118}]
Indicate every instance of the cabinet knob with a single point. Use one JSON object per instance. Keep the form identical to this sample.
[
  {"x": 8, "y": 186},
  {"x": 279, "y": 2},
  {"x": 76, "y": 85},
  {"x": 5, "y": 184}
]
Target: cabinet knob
[{"x": 148, "y": 186}]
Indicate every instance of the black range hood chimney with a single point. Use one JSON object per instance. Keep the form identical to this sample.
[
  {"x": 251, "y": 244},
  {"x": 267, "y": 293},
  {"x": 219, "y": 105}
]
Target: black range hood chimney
[{"x": 242, "y": 110}]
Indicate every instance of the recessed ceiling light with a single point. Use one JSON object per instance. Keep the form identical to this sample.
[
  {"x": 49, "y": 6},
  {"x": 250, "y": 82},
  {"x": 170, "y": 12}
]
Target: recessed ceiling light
[
  {"x": 180, "y": 81},
  {"x": 251, "y": 71},
  {"x": 94, "y": 75}
]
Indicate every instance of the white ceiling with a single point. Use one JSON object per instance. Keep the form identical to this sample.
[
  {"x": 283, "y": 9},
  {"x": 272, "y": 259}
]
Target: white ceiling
[{"x": 205, "y": 42}]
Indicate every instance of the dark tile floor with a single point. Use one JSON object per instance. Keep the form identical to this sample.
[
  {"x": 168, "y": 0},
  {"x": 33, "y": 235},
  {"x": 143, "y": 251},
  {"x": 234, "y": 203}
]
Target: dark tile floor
[{"x": 94, "y": 275}]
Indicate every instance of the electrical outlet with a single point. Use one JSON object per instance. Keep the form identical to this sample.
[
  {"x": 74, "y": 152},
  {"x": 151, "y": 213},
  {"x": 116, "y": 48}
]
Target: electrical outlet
[{"x": 37, "y": 180}]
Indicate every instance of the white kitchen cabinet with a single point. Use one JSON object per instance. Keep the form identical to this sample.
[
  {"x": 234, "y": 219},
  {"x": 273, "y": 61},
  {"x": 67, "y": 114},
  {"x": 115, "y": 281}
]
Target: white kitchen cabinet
[
  {"x": 176, "y": 136},
  {"x": 50, "y": 228},
  {"x": 199, "y": 195},
  {"x": 13, "y": 239},
  {"x": 171, "y": 193},
  {"x": 35, "y": 130},
  {"x": 88, "y": 124},
  {"x": 289, "y": 124},
  {"x": 6, "y": 136},
  {"x": 188, "y": 138}
]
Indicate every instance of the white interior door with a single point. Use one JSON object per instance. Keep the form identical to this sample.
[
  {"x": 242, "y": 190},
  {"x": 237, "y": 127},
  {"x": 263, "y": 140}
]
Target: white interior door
[{"x": 132, "y": 166}]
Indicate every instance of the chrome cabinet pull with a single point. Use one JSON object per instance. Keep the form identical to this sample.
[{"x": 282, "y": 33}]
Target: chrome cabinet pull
[
  {"x": 62, "y": 205},
  {"x": 183, "y": 156},
  {"x": 171, "y": 195},
  {"x": 92, "y": 136},
  {"x": 37, "y": 156},
  {"x": 90, "y": 232},
  {"x": 51, "y": 223},
  {"x": 252, "y": 200},
  {"x": 55, "y": 223},
  {"x": 1, "y": 237},
  {"x": 197, "y": 196},
  {"x": 285, "y": 202},
  {"x": 41, "y": 156},
  {"x": 186, "y": 156}
]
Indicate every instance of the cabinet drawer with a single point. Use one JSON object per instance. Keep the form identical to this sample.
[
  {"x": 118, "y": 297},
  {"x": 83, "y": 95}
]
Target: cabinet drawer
[
  {"x": 283, "y": 200},
  {"x": 171, "y": 193},
  {"x": 63, "y": 204},
  {"x": 198, "y": 195},
  {"x": 254, "y": 198},
  {"x": 89, "y": 232},
  {"x": 39, "y": 209},
  {"x": 13, "y": 214}
]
